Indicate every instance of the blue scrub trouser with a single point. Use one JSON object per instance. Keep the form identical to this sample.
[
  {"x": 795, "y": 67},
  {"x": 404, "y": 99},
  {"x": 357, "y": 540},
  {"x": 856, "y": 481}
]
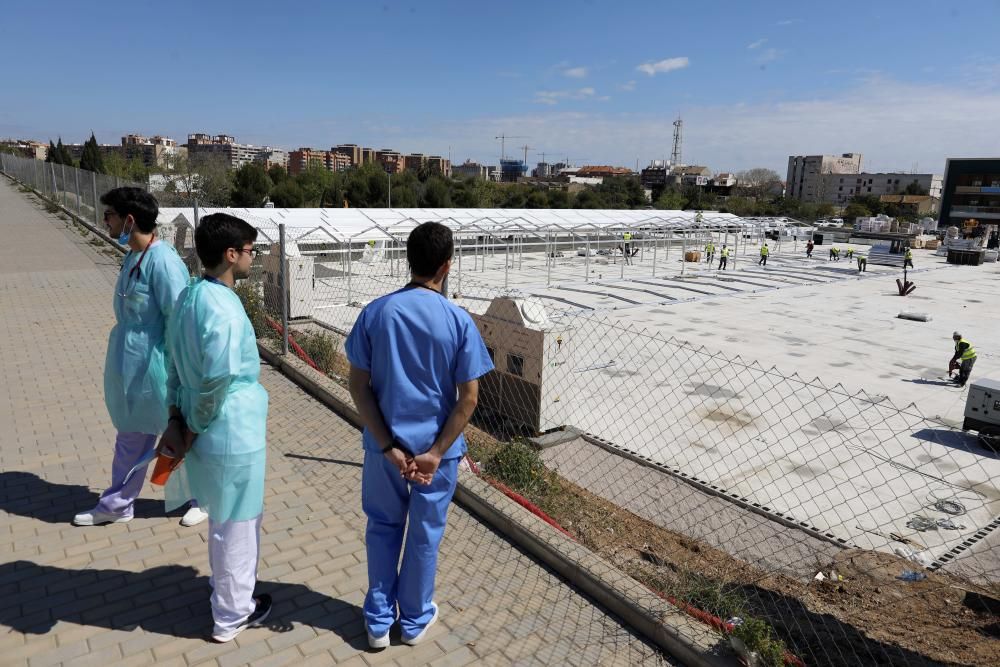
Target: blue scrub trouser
[{"x": 388, "y": 500}]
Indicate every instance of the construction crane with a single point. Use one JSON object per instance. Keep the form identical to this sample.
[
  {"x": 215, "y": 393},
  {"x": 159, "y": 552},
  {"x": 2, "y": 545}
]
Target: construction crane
[
  {"x": 503, "y": 142},
  {"x": 526, "y": 148}
]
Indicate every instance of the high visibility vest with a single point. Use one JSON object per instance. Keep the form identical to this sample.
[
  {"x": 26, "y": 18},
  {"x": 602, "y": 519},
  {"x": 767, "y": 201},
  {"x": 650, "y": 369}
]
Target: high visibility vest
[
  {"x": 709, "y": 248},
  {"x": 835, "y": 251},
  {"x": 909, "y": 255},
  {"x": 725, "y": 252},
  {"x": 627, "y": 236},
  {"x": 764, "y": 250},
  {"x": 970, "y": 352}
]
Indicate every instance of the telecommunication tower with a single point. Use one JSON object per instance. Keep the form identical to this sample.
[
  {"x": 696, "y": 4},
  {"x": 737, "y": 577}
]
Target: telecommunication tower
[{"x": 675, "y": 153}]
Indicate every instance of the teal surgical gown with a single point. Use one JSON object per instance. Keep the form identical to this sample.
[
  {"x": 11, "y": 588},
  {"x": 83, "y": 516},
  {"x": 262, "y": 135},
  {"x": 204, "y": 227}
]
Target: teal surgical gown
[
  {"x": 135, "y": 369},
  {"x": 214, "y": 383}
]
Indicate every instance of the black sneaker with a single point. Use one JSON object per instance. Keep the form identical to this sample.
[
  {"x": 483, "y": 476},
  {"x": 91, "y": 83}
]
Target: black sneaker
[{"x": 257, "y": 618}]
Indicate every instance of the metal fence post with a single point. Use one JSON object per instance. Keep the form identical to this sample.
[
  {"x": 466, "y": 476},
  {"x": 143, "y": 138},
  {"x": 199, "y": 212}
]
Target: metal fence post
[
  {"x": 79, "y": 207},
  {"x": 55, "y": 188},
  {"x": 93, "y": 185},
  {"x": 350, "y": 281},
  {"x": 286, "y": 292},
  {"x": 65, "y": 190}
]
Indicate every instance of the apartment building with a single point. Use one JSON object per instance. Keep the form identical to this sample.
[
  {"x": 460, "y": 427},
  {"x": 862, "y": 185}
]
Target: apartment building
[{"x": 806, "y": 174}]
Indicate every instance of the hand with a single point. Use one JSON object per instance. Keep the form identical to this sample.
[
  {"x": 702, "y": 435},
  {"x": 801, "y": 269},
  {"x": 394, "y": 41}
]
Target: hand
[
  {"x": 401, "y": 461},
  {"x": 426, "y": 465},
  {"x": 172, "y": 441}
]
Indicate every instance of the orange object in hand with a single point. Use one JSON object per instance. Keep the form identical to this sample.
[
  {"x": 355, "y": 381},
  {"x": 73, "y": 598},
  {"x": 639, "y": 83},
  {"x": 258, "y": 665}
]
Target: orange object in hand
[{"x": 164, "y": 466}]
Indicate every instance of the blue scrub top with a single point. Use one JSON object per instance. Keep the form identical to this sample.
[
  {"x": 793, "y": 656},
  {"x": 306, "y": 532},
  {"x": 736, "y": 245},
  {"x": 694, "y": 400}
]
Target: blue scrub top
[{"x": 418, "y": 347}]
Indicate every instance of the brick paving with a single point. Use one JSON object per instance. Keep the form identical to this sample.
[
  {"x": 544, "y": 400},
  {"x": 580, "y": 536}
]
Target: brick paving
[{"x": 137, "y": 593}]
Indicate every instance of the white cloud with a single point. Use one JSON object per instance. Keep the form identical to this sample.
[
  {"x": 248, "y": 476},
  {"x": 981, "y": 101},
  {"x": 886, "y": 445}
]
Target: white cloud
[
  {"x": 575, "y": 72},
  {"x": 788, "y": 22},
  {"x": 756, "y": 45},
  {"x": 662, "y": 66},
  {"x": 769, "y": 56},
  {"x": 879, "y": 117},
  {"x": 628, "y": 86},
  {"x": 552, "y": 97}
]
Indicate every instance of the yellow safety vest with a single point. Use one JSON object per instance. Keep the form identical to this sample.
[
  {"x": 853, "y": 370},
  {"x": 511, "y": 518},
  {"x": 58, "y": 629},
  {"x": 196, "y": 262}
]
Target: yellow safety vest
[
  {"x": 709, "y": 248},
  {"x": 764, "y": 250},
  {"x": 725, "y": 252},
  {"x": 909, "y": 255},
  {"x": 970, "y": 352},
  {"x": 627, "y": 236}
]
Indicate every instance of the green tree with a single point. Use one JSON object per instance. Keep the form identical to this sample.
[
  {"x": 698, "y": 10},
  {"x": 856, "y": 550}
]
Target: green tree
[
  {"x": 251, "y": 185},
  {"x": 53, "y": 154},
  {"x": 436, "y": 193},
  {"x": 288, "y": 194},
  {"x": 671, "y": 200},
  {"x": 914, "y": 188},
  {"x": 558, "y": 198},
  {"x": 856, "y": 210},
  {"x": 277, "y": 173},
  {"x": 91, "y": 158},
  {"x": 315, "y": 180},
  {"x": 64, "y": 155}
]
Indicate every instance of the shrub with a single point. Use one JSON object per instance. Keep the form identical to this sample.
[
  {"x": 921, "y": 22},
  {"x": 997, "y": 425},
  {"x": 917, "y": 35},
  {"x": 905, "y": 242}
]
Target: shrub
[
  {"x": 321, "y": 348},
  {"x": 519, "y": 465},
  {"x": 756, "y": 636},
  {"x": 253, "y": 303}
]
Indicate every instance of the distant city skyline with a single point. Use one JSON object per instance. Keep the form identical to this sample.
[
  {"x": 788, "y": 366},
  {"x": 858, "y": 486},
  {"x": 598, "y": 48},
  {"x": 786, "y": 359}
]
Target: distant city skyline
[{"x": 594, "y": 83}]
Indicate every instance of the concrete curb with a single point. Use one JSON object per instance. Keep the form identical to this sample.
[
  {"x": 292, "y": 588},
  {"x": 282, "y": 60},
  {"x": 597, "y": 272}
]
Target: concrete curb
[{"x": 659, "y": 622}]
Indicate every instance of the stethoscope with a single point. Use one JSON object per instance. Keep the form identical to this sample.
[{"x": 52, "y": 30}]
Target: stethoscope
[{"x": 133, "y": 274}]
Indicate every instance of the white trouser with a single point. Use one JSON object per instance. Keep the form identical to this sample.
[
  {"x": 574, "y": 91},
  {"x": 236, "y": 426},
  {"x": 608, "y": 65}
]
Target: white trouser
[{"x": 233, "y": 550}]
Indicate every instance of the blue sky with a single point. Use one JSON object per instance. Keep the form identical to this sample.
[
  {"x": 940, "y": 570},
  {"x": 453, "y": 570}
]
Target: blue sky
[{"x": 905, "y": 83}]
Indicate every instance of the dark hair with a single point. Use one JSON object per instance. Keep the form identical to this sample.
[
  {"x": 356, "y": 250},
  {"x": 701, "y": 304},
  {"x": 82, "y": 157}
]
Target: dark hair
[
  {"x": 429, "y": 246},
  {"x": 136, "y": 202},
  {"x": 217, "y": 233}
]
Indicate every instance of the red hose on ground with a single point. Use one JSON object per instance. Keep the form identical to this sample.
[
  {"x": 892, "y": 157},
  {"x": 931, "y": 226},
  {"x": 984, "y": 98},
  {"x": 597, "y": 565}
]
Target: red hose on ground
[{"x": 295, "y": 346}]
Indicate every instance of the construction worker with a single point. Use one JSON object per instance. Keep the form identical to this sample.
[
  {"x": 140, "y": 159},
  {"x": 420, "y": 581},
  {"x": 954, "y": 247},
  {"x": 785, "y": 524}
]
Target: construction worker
[
  {"x": 965, "y": 354},
  {"x": 809, "y": 249},
  {"x": 835, "y": 254},
  {"x": 709, "y": 252},
  {"x": 764, "y": 251},
  {"x": 723, "y": 257},
  {"x": 627, "y": 250},
  {"x": 908, "y": 258},
  {"x": 850, "y": 254},
  {"x": 862, "y": 263}
]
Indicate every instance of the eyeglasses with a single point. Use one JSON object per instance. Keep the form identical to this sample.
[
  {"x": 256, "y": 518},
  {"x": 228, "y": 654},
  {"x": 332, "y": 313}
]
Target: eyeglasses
[{"x": 253, "y": 252}]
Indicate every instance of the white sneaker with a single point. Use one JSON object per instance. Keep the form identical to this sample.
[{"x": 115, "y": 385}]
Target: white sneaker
[
  {"x": 95, "y": 518},
  {"x": 378, "y": 642},
  {"x": 413, "y": 641},
  {"x": 193, "y": 517}
]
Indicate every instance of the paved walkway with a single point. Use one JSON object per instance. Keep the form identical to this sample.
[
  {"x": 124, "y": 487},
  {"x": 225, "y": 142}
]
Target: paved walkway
[{"x": 137, "y": 593}]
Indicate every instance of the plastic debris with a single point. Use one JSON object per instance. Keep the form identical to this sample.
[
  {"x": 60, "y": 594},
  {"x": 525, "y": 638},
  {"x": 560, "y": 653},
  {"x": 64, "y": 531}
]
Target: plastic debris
[
  {"x": 910, "y": 575},
  {"x": 915, "y": 556},
  {"x": 949, "y": 524},
  {"x": 820, "y": 576},
  {"x": 920, "y": 523}
]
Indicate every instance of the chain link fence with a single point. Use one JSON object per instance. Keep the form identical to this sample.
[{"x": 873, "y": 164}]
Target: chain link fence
[
  {"x": 813, "y": 523},
  {"x": 816, "y": 524}
]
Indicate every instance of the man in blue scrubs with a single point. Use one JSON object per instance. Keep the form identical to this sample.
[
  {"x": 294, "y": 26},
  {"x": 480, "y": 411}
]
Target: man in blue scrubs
[{"x": 415, "y": 363}]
